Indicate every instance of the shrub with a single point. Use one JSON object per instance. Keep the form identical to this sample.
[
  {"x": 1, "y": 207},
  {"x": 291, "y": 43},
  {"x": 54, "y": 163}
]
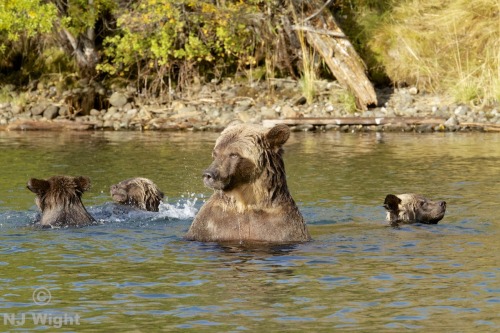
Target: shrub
[
  {"x": 161, "y": 39},
  {"x": 22, "y": 23}
]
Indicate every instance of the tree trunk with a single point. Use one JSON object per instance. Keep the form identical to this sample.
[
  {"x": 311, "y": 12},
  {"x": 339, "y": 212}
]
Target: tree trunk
[
  {"x": 87, "y": 58},
  {"x": 83, "y": 47},
  {"x": 84, "y": 50},
  {"x": 325, "y": 36}
]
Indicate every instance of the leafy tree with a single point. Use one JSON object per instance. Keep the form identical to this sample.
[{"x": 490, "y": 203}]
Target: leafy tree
[
  {"x": 165, "y": 38},
  {"x": 21, "y": 21},
  {"x": 24, "y": 18},
  {"x": 81, "y": 25},
  {"x": 77, "y": 25}
]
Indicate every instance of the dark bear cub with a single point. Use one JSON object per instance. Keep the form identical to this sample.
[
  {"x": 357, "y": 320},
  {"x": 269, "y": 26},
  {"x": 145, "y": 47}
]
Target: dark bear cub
[
  {"x": 60, "y": 200},
  {"x": 137, "y": 192},
  {"x": 251, "y": 201},
  {"x": 413, "y": 208}
]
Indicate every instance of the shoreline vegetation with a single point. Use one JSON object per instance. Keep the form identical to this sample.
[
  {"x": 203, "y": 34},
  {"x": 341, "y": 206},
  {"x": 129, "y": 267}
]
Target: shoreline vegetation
[{"x": 200, "y": 65}]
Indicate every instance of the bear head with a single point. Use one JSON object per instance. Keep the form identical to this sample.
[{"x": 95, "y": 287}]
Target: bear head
[
  {"x": 248, "y": 165},
  {"x": 138, "y": 192},
  {"x": 413, "y": 208},
  {"x": 59, "y": 199}
]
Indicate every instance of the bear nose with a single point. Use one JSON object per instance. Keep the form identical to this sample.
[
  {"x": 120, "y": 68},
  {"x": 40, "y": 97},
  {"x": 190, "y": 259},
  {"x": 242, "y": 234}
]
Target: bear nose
[
  {"x": 442, "y": 204},
  {"x": 208, "y": 174}
]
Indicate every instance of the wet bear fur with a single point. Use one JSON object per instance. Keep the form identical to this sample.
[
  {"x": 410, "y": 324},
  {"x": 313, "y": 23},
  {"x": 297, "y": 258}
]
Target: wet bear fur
[
  {"x": 59, "y": 199},
  {"x": 137, "y": 192},
  {"x": 251, "y": 201},
  {"x": 413, "y": 208}
]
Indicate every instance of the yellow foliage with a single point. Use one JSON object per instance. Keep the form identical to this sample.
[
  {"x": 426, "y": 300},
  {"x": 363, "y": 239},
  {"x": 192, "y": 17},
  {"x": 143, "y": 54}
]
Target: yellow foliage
[{"x": 448, "y": 46}]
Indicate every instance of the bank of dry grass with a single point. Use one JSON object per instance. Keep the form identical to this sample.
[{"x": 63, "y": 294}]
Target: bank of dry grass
[{"x": 450, "y": 46}]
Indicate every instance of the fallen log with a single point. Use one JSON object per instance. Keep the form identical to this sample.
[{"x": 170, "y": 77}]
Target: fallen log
[
  {"x": 49, "y": 125},
  {"x": 327, "y": 38},
  {"x": 487, "y": 127},
  {"x": 365, "y": 121}
]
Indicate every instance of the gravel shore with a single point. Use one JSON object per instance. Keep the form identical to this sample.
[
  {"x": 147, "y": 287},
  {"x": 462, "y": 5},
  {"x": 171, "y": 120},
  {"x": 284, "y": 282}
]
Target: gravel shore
[{"x": 214, "y": 105}]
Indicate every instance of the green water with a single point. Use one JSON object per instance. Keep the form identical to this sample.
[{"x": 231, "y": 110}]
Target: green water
[{"x": 134, "y": 273}]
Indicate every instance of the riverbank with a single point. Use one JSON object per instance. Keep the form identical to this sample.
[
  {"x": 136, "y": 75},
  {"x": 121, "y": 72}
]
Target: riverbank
[{"x": 214, "y": 105}]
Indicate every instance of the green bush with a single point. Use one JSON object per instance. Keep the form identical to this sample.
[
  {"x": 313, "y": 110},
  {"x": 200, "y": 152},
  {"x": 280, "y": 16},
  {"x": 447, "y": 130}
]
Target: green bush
[
  {"x": 160, "y": 38},
  {"x": 24, "y": 19},
  {"x": 22, "y": 25}
]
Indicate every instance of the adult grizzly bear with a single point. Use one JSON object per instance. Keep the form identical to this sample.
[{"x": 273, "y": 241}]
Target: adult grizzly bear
[
  {"x": 60, "y": 200},
  {"x": 413, "y": 208},
  {"x": 251, "y": 201},
  {"x": 137, "y": 192}
]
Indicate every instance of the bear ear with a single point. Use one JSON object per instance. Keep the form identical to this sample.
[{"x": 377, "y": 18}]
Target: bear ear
[
  {"x": 278, "y": 135},
  {"x": 83, "y": 183},
  {"x": 38, "y": 186},
  {"x": 391, "y": 202},
  {"x": 234, "y": 123}
]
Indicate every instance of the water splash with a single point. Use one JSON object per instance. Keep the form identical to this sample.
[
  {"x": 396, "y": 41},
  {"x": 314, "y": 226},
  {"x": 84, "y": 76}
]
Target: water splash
[{"x": 183, "y": 209}]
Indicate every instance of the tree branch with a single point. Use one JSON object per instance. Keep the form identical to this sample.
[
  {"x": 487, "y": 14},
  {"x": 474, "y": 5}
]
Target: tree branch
[
  {"x": 319, "y": 11},
  {"x": 319, "y": 31}
]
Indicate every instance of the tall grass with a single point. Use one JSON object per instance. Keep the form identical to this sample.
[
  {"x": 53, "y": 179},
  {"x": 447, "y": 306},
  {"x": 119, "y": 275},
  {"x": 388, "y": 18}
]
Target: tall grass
[
  {"x": 348, "y": 102},
  {"x": 5, "y": 94},
  {"x": 308, "y": 75},
  {"x": 8, "y": 95},
  {"x": 448, "y": 46}
]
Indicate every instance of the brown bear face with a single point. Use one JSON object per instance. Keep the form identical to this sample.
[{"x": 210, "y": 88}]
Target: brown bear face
[
  {"x": 59, "y": 199},
  {"x": 413, "y": 208},
  {"x": 138, "y": 192},
  {"x": 230, "y": 168},
  {"x": 242, "y": 153}
]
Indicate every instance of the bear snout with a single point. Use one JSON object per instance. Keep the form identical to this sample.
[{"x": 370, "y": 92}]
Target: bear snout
[
  {"x": 118, "y": 194},
  {"x": 209, "y": 178},
  {"x": 442, "y": 204},
  {"x": 213, "y": 179}
]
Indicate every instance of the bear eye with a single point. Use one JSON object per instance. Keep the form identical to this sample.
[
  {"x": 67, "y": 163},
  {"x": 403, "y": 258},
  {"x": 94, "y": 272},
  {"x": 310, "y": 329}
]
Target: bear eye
[{"x": 234, "y": 155}]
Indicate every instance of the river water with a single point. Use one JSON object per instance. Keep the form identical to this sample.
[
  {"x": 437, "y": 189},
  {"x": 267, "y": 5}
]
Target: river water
[{"x": 135, "y": 273}]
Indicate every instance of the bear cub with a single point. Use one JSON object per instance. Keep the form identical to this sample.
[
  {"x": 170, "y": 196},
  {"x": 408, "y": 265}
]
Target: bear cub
[
  {"x": 59, "y": 198},
  {"x": 413, "y": 208},
  {"x": 137, "y": 192}
]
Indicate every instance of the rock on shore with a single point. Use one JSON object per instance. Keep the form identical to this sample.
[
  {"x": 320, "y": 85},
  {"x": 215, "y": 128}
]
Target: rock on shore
[{"x": 216, "y": 104}]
